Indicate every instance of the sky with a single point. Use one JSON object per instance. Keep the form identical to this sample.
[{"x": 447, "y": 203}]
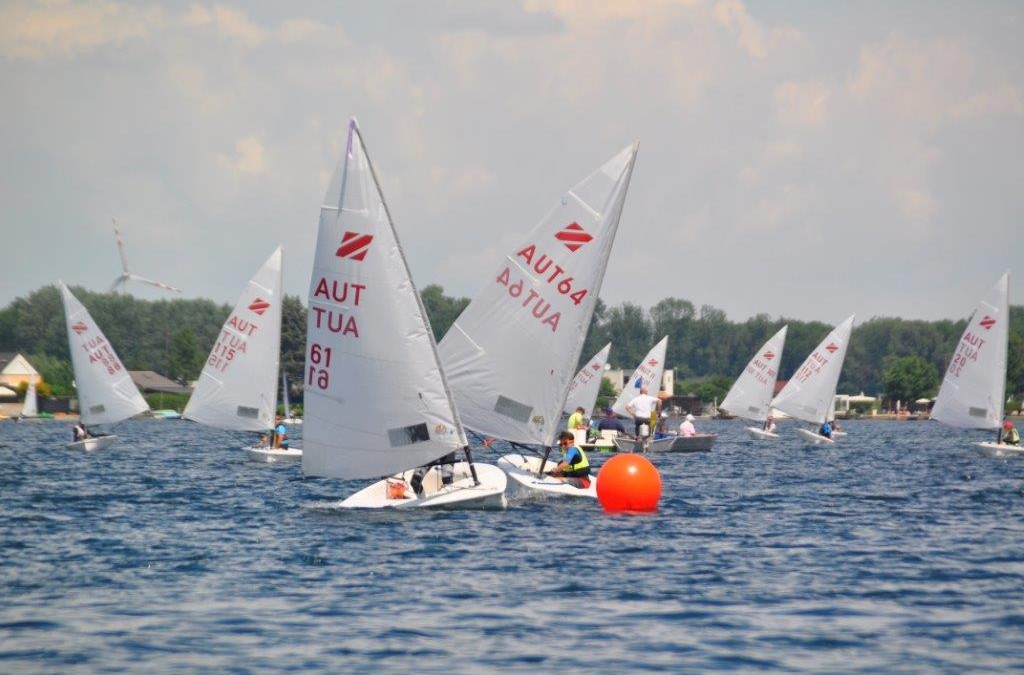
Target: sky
[{"x": 797, "y": 158}]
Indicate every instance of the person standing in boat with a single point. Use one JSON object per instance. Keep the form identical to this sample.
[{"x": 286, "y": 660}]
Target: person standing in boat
[
  {"x": 686, "y": 428},
  {"x": 826, "y": 429},
  {"x": 574, "y": 467},
  {"x": 769, "y": 425},
  {"x": 641, "y": 408},
  {"x": 1010, "y": 434}
]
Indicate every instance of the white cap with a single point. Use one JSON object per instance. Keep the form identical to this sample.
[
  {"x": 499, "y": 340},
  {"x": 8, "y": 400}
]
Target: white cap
[{"x": 689, "y": 418}]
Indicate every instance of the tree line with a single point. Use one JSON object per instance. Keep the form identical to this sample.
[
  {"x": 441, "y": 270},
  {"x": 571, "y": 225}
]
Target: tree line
[{"x": 902, "y": 358}]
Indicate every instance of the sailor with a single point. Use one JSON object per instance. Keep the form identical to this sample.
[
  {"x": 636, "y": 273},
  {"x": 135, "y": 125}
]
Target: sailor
[
  {"x": 281, "y": 434},
  {"x": 826, "y": 429},
  {"x": 769, "y": 425},
  {"x": 80, "y": 432},
  {"x": 447, "y": 469},
  {"x": 1010, "y": 434},
  {"x": 576, "y": 420},
  {"x": 574, "y": 468},
  {"x": 610, "y": 422},
  {"x": 687, "y": 428},
  {"x": 641, "y": 408}
]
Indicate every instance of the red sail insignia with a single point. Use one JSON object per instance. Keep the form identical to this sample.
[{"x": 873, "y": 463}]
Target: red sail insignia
[
  {"x": 354, "y": 245},
  {"x": 259, "y": 305},
  {"x": 80, "y": 327},
  {"x": 573, "y": 236},
  {"x": 987, "y": 322}
]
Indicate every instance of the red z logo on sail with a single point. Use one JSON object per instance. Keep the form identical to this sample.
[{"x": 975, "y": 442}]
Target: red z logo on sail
[
  {"x": 259, "y": 305},
  {"x": 80, "y": 327},
  {"x": 573, "y": 236},
  {"x": 354, "y": 245},
  {"x": 987, "y": 322}
]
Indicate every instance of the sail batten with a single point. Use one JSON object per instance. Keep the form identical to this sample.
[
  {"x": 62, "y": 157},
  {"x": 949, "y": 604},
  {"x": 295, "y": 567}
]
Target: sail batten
[
  {"x": 521, "y": 337},
  {"x": 376, "y": 401},
  {"x": 973, "y": 388}
]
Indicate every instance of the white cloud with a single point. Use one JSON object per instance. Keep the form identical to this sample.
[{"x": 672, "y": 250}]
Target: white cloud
[
  {"x": 1005, "y": 99},
  {"x": 227, "y": 21},
  {"x": 248, "y": 158},
  {"x": 802, "y": 103}
]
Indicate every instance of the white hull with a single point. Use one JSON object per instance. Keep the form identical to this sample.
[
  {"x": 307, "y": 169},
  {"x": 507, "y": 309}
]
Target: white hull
[
  {"x": 813, "y": 437},
  {"x": 761, "y": 434},
  {"x": 292, "y": 420},
  {"x": 90, "y": 444},
  {"x": 273, "y": 454},
  {"x": 999, "y": 449},
  {"x": 524, "y": 482},
  {"x": 461, "y": 494}
]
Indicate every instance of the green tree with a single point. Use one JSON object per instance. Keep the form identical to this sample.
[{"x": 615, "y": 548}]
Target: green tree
[
  {"x": 55, "y": 371},
  {"x": 293, "y": 345},
  {"x": 185, "y": 360},
  {"x": 910, "y": 378},
  {"x": 606, "y": 394},
  {"x": 441, "y": 309}
]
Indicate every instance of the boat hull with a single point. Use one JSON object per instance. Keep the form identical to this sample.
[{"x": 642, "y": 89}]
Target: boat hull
[
  {"x": 461, "y": 494},
  {"x": 698, "y": 443},
  {"x": 271, "y": 455},
  {"x": 999, "y": 449},
  {"x": 91, "y": 444},
  {"x": 524, "y": 482},
  {"x": 761, "y": 434},
  {"x": 813, "y": 438}
]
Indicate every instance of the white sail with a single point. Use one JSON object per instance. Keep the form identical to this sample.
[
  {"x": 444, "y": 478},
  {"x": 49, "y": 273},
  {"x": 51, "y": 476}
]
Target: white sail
[
  {"x": 972, "y": 394},
  {"x": 647, "y": 375},
  {"x": 587, "y": 384},
  {"x": 751, "y": 394},
  {"x": 511, "y": 355},
  {"x": 238, "y": 386},
  {"x": 376, "y": 400},
  {"x": 812, "y": 390},
  {"x": 31, "y": 406},
  {"x": 106, "y": 393}
]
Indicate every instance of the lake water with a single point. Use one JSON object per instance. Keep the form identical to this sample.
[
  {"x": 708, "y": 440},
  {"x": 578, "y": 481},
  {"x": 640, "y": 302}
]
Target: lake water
[{"x": 898, "y": 550}]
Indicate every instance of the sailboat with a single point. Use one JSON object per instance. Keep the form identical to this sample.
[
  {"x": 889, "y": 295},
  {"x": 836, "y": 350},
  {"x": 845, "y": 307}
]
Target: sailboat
[
  {"x": 106, "y": 393},
  {"x": 811, "y": 392},
  {"x": 288, "y": 418},
  {"x": 30, "y": 408},
  {"x": 377, "y": 402},
  {"x": 237, "y": 389},
  {"x": 512, "y": 353},
  {"x": 585, "y": 387},
  {"x": 648, "y": 375},
  {"x": 750, "y": 396},
  {"x": 973, "y": 390}
]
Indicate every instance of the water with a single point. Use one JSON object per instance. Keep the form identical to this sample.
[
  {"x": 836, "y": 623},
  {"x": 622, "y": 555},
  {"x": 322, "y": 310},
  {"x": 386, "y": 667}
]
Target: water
[{"x": 896, "y": 551}]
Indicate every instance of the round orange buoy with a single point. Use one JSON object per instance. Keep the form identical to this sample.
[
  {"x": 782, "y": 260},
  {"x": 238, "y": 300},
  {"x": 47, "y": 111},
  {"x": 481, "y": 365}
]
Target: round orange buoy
[{"x": 628, "y": 482}]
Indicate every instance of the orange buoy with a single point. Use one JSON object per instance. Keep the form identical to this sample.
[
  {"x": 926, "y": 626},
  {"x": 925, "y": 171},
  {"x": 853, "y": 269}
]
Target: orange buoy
[{"x": 628, "y": 482}]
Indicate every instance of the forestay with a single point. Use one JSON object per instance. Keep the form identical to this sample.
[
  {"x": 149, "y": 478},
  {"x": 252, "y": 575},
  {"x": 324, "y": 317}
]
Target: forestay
[
  {"x": 647, "y": 375},
  {"x": 751, "y": 395},
  {"x": 511, "y": 355},
  {"x": 376, "y": 401},
  {"x": 106, "y": 393},
  {"x": 973, "y": 390},
  {"x": 587, "y": 384},
  {"x": 238, "y": 386},
  {"x": 810, "y": 392}
]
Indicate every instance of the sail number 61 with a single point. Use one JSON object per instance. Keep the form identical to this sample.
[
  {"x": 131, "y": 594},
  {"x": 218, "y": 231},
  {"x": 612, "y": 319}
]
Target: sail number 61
[{"x": 319, "y": 377}]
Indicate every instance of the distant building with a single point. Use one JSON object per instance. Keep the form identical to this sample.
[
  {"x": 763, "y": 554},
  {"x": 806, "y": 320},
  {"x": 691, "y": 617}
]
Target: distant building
[
  {"x": 15, "y": 369},
  {"x": 150, "y": 382}
]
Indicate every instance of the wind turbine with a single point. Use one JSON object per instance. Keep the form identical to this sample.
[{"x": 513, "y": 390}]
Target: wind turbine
[{"x": 127, "y": 276}]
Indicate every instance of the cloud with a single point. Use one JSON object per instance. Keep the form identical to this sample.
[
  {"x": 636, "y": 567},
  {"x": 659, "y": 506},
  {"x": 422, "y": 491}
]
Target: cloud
[
  {"x": 1005, "y": 99},
  {"x": 248, "y": 158},
  {"x": 227, "y": 21},
  {"x": 802, "y": 103},
  {"x": 35, "y": 31}
]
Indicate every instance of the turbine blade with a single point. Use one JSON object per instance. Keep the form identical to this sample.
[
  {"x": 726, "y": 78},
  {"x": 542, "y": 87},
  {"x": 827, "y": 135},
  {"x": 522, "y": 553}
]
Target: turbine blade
[
  {"x": 153, "y": 282},
  {"x": 120, "y": 246}
]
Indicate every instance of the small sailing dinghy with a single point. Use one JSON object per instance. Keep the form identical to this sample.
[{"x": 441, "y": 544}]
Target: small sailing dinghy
[
  {"x": 237, "y": 389},
  {"x": 376, "y": 399},
  {"x": 512, "y": 353},
  {"x": 289, "y": 419},
  {"x": 106, "y": 393},
  {"x": 811, "y": 392},
  {"x": 973, "y": 391},
  {"x": 30, "y": 408},
  {"x": 751, "y": 394},
  {"x": 584, "y": 390}
]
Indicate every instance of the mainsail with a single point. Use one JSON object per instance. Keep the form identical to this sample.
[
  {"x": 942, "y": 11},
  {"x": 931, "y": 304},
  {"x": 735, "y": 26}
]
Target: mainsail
[
  {"x": 587, "y": 384},
  {"x": 511, "y": 355},
  {"x": 973, "y": 391},
  {"x": 809, "y": 394},
  {"x": 376, "y": 400},
  {"x": 106, "y": 393},
  {"x": 751, "y": 394},
  {"x": 31, "y": 405},
  {"x": 238, "y": 386},
  {"x": 647, "y": 375}
]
